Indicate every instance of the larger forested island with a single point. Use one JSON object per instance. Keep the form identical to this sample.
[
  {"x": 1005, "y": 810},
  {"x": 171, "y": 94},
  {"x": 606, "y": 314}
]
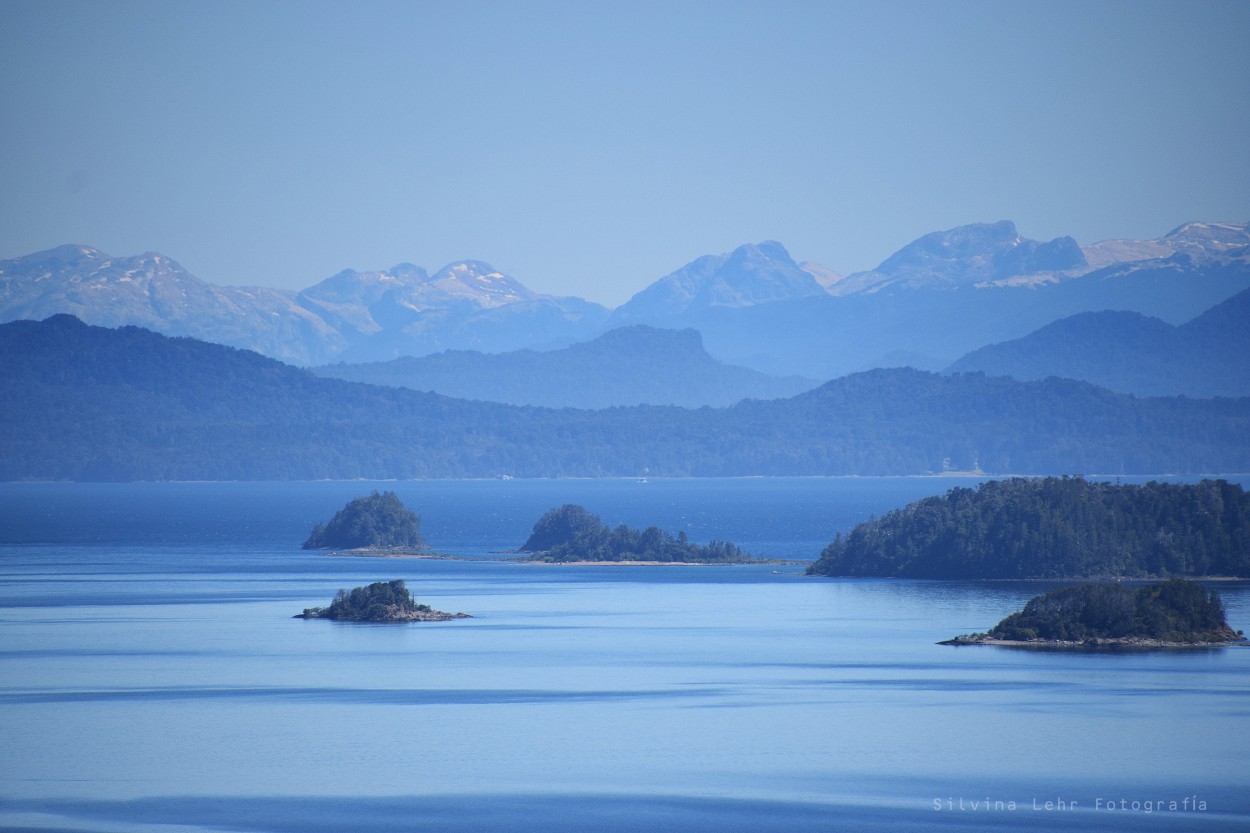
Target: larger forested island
[
  {"x": 571, "y": 534},
  {"x": 1174, "y": 613},
  {"x": 1054, "y": 527}
]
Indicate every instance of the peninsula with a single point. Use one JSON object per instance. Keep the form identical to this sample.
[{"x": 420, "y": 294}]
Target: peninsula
[
  {"x": 1172, "y": 614},
  {"x": 382, "y": 601},
  {"x": 572, "y": 535},
  {"x": 378, "y": 522}
]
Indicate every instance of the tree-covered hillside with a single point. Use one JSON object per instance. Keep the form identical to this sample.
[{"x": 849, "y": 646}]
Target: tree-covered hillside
[
  {"x": 88, "y": 403},
  {"x": 1054, "y": 528}
]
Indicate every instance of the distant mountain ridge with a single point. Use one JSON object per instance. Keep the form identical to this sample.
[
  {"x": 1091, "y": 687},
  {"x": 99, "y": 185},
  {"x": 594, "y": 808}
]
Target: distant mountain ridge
[
  {"x": 636, "y": 365},
  {"x": 921, "y": 315},
  {"x": 153, "y": 291},
  {"x": 747, "y": 276},
  {"x": 1132, "y": 353},
  {"x": 469, "y": 304},
  {"x": 995, "y": 254},
  {"x": 983, "y": 254},
  {"x": 351, "y": 314},
  {"x": 89, "y": 403},
  {"x": 941, "y": 296}
]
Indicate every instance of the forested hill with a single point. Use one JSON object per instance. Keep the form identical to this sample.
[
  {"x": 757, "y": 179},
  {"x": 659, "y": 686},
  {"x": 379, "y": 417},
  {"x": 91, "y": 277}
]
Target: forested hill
[
  {"x": 87, "y": 403},
  {"x": 1054, "y": 528}
]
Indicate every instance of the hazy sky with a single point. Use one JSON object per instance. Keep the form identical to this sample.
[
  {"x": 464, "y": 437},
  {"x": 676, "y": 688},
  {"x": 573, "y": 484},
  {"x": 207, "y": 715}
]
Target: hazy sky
[{"x": 589, "y": 148}]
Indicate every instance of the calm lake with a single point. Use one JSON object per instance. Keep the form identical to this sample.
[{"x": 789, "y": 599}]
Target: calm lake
[{"x": 152, "y": 678}]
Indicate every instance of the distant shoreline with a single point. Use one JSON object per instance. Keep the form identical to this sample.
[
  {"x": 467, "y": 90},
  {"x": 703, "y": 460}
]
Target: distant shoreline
[
  {"x": 753, "y": 563},
  {"x": 382, "y": 553},
  {"x": 432, "y": 556},
  {"x": 626, "y": 563},
  {"x": 429, "y": 556}
]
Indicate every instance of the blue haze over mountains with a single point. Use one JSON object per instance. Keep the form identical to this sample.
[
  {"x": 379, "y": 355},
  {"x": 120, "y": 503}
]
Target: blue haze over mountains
[
  {"x": 756, "y": 310},
  {"x": 628, "y": 365},
  {"x": 1132, "y": 353},
  {"x": 90, "y": 403}
]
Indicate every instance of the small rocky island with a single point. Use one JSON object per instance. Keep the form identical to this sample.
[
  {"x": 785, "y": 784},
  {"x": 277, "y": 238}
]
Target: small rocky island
[
  {"x": 572, "y": 535},
  {"x": 378, "y": 522},
  {"x": 1171, "y": 614},
  {"x": 382, "y": 601}
]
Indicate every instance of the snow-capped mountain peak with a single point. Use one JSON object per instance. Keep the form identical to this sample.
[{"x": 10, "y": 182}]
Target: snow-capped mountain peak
[
  {"x": 749, "y": 275},
  {"x": 480, "y": 283}
]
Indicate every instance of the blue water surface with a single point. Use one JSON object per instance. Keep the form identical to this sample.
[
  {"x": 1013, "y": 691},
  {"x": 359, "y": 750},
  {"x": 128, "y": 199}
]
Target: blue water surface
[{"x": 152, "y": 678}]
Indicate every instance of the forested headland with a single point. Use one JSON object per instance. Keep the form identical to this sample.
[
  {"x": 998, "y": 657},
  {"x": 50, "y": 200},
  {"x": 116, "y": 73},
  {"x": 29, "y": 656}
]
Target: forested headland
[{"x": 1054, "y": 527}]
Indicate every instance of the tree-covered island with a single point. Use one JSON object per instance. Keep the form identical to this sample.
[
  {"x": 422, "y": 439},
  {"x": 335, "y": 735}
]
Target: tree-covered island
[
  {"x": 1054, "y": 528},
  {"x": 571, "y": 534},
  {"x": 1171, "y": 614},
  {"x": 382, "y": 601},
  {"x": 376, "y": 522}
]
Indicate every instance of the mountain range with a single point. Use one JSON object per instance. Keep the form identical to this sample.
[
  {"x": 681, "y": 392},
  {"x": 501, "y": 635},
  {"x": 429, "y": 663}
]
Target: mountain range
[
  {"x": 629, "y": 365},
  {"x": 748, "y": 276},
  {"x": 952, "y": 292},
  {"x": 936, "y": 299},
  {"x": 1128, "y": 352},
  {"x": 365, "y": 315},
  {"x": 1132, "y": 353},
  {"x": 89, "y": 403}
]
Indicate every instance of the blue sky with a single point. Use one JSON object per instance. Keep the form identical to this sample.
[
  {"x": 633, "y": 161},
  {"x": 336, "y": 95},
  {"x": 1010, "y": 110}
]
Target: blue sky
[{"x": 590, "y": 148}]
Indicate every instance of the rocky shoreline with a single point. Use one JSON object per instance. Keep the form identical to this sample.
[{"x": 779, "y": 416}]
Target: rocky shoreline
[{"x": 392, "y": 614}]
